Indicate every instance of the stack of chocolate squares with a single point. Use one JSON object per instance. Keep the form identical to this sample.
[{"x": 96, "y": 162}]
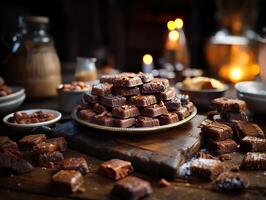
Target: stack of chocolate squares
[
  {"x": 130, "y": 99},
  {"x": 232, "y": 127}
]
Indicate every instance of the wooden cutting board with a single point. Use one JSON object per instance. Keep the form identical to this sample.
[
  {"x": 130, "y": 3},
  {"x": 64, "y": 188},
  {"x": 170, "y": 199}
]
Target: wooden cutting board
[{"x": 157, "y": 154}]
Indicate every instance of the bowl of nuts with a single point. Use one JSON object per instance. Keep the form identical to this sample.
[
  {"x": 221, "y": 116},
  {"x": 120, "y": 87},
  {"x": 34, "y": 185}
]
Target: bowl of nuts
[
  {"x": 70, "y": 94},
  {"x": 28, "y": 119}
]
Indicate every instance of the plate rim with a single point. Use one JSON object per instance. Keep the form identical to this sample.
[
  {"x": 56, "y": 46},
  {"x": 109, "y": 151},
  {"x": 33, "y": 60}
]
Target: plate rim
[
  {"x": 17, "y": 94},
  {"x": 131, "y": 131},
  {"x": 33, "y": 125}
]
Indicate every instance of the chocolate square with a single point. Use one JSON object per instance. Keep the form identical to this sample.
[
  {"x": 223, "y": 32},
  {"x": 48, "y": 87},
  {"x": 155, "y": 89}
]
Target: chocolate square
[
  {"x": 50, "y": 160},
  {"x": 222, "y": 147},
  {"x": 124, "y": 123},
  {"x": 217, "y": 131},
  {"x": 154, "y": 110},
  {"x": 127, "y": 81},
  {"x": 254, "y": 161},
  {"x": 125, "y": 111},
  {"x": 243, "y": 129},
  {"x": 167, "y": 95},
  {"x": 125, "y": 92},
  {"x": 206, "y": 168},
  {"x": 168, "y": 118},
  {"x": 59, "y": 142},
  {"x": 182, "y": 113},
  {"x": 75, "y": 163},
  {"x": 44, "y": 148},
  {"x": 104, "y": 119},
  {"x": 113, "y": 101},
  {"x": 86, "y": 114},
  {"x": 116, "y": 169},
  {"x": 98, "y": 108},
  {"x": 145, "y": 77},
  {"x": 67, "y": 180},
  {"x": 157, "y": 85},
  {"x": 132, "y": 188},
  {"x": 253, "y": 144},
  {"x": 90, "y": 98},
  {"x": 28, "y": 141},
  {"x": 142, "y": 100},
  {"x": 143, "y": 121},
  {"x": 224, "y": 104},
  {"x": 101, "y": 89},
  {"x": 173, "y": 104}
]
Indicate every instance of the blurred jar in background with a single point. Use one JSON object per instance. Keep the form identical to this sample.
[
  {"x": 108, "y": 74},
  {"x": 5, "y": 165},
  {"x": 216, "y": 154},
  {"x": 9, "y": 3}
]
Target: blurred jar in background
[
  {"x": 86, "y": 69},
  {"x": 33, "y": 62}
]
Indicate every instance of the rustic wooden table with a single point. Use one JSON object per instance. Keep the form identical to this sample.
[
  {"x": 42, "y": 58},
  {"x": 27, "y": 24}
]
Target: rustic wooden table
[{"x": 35, "y": 185}]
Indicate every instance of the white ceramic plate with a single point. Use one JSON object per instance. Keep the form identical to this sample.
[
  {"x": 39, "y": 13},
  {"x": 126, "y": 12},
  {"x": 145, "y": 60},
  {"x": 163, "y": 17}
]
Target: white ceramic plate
[
  {"x": 134, "y": 130},
  {"x": 12, "y": 105},
  {"x": 252, "y": 88},
  {"x": 25, "y": 127},
  {"x": 17, "y": 92}
]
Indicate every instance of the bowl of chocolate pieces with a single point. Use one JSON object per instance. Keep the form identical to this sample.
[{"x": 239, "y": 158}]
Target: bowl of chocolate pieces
[
  {"x": 202, "y": 90},
  {"x": 70, "y": 94},
  {"x": 10, "y": 97},
  {"x": 28, "y": 119},
  {"x": 134, "y": 103}
]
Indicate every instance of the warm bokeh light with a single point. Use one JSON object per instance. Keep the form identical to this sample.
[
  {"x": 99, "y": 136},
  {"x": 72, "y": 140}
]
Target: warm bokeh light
[
  {"x": 171, "y": 25},
  {"x": 179, "y": 23},
  {"x": 235, "y": 74},
  {"x": 147, "y": 59},
  {"x": 173, "y": 35}
]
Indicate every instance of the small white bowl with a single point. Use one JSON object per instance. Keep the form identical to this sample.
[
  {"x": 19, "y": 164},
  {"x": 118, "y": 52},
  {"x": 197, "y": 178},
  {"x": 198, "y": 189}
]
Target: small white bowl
[
  {"x": 17, "y": 92},
  {"x": 254, "y": 94},
  {"x": 27, "y": 127},
  {"x": 9, "y": 106}
]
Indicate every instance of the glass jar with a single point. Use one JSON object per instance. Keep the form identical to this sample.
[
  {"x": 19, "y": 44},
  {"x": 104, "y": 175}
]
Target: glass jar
[
  {"x": 86, "y": 69},
  {"x": 33, "y": 63}
]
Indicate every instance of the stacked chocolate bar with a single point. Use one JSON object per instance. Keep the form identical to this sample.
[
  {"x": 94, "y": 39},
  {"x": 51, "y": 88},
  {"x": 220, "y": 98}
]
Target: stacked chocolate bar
[{"x": 130, "y": 99}]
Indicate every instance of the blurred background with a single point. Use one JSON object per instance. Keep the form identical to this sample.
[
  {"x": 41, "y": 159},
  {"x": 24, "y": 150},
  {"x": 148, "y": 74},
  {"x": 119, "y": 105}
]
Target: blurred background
[{"x": 119, "y": 32}]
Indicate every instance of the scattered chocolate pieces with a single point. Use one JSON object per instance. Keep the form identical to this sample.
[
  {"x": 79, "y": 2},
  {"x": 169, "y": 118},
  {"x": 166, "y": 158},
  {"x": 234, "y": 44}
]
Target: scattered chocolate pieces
[
  {"x": 132, "y": 188},
  {"x": 67, "y": 180},
  {"x": 75, "y": 163},
  {"x": 254, "y": 160},
  {"x": 206, "y": 168},
  {"x": 35, "y": 117},
  {"x": 116, "y": 169}
]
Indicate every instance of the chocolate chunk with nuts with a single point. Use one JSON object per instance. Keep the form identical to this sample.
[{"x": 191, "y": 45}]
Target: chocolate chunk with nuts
[
  {"x": 29, "y": 141},
  {"x": 75, "y": 163}
]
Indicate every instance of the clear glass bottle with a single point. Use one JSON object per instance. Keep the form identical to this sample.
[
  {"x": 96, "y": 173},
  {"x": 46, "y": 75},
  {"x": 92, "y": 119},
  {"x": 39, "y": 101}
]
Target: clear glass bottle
[{"x": 86, "y": 69}]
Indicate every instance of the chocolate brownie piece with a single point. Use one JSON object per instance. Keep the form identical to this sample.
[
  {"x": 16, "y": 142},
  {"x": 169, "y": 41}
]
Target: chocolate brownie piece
[
  {"x": 113, "y": 101},
  {"x": 11, "y": 159},
  {"x": 221, "y": 147},
  {"x": 44, "y": 147},
  {"x": 182, "y": 113},
  {"x": 50, "y": 160},
  {"x": 190, "y": 107},
  {"x": 59, "y": 142},
  {"x": 86, "y": 114},
  {"x": 104, "y": 119},
  {"x": 90, "y": 98},
  {"x": 206, "y": 168},
  {"x": 101, "y": 89},
  {"x": 157, "y": 85},
  {"x": 217, "y": 131},
  {"x": 98, "y": 108},
  {"x": 126, "y": 91},
  {"x": 254, "y": 160},
  {"x": 205, "y": 122},
  {"x": 145, "y": 77},
  {"x": 67, "y": 180},
  {"x": 116, "y": 169},
  {"x": 143, "y": 100},
  {"x": 224, "y": 104},
  {"x": 28, "y": 141},
  {"x": 253, "y": 144},
  {"x": 124, "y": 123},
  {"x": 111, "y": 78},
  {"x": 132, "y": 188},
  {"x": 75, "y": 163},
  {"x": 173, "y": 104},
  {"x": 6, "y": 143},
  {"x": 127, "y": 81},
  {"x": 125, "y": 111},
  {"x": 243, "y": 129},
  {"x": 168, "y": 118},
  {"x": 154, "y": 110},
  {"x": 143, "y": 121},
  {"x": 167, "y": 95},
  {"x": 229, "y": 116},
  {"x": 230, "y": 182}
]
